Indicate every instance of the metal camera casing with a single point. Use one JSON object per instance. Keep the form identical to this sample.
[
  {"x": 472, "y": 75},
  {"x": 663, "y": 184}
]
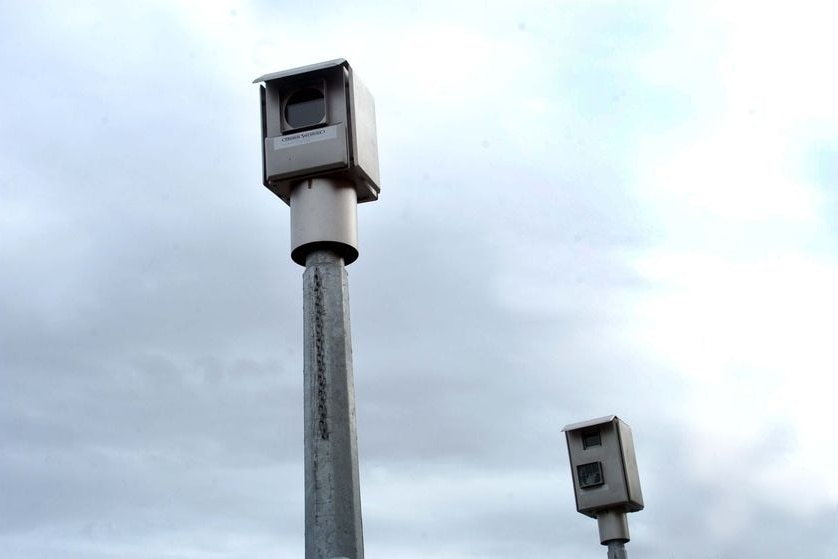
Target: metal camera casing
[
  {"x": 320, "y": 154},
  {"x": 342, "y": 143},
  {"x": 604, "y": 466}
]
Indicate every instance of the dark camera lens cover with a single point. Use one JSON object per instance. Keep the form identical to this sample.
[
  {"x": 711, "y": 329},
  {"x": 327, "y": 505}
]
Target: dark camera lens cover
[{"x": 305, "y": 107}]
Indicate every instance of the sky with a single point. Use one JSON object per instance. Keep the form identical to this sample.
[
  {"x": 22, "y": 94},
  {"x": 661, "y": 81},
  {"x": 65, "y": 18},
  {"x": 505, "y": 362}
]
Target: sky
[{"x": 587, "y": 208}]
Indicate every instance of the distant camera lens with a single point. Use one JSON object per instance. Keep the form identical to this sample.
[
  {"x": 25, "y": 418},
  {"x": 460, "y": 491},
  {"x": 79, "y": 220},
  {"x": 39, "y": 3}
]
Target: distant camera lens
[
  {"x": 590, "y": 475},
  {"x": 305, "y": 107}
]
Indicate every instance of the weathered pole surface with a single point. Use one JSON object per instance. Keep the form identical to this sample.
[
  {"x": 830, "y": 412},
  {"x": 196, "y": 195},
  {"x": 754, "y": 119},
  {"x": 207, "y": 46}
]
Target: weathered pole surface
[
  {"x": 617, "y": 550},
  {"x": 332, "y": 491}
]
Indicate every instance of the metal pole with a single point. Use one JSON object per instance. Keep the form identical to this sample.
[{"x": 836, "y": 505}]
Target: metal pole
[
  {"x": 332, "y": 491},
  {"x": 613, "y": 532},
  {"x": 617, "y": 550}
]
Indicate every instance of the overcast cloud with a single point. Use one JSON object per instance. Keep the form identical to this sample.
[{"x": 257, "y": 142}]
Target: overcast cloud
[{"x": 587, "y": 208}]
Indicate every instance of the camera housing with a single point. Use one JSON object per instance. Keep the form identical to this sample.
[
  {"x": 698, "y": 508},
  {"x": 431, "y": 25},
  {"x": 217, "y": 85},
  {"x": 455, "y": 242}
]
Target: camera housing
[
  {"x": 604, "y": 466},
  {"x": 318, "y": 121}
]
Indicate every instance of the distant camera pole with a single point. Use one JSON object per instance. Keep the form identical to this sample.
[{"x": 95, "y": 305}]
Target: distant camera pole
[
  {"x": 606, "y": 482},
  {"x": 320, "y": 156}
]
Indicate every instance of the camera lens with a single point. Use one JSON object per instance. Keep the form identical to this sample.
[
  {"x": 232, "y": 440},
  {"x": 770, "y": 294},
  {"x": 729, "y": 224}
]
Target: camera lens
[{"x": 305, "y": 107}]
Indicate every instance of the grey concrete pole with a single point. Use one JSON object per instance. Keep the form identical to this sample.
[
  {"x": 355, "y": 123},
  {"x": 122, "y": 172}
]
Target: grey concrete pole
[{"x": 332, "y": 491}]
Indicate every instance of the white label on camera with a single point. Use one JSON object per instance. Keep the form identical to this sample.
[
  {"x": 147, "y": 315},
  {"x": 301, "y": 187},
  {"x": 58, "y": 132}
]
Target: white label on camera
[{"x": 307, "y": 137}]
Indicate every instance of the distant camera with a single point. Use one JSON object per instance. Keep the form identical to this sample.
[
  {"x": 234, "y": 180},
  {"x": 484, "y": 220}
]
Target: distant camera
[{"x": 603, "y": 466}]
